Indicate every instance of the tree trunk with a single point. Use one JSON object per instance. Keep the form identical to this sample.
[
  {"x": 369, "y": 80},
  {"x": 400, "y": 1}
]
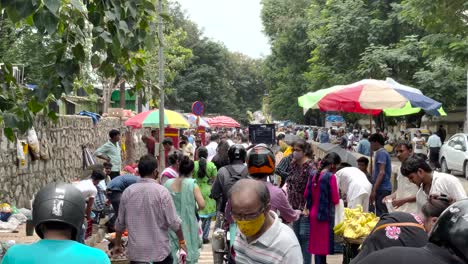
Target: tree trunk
[{"x": 122, "y": 95}]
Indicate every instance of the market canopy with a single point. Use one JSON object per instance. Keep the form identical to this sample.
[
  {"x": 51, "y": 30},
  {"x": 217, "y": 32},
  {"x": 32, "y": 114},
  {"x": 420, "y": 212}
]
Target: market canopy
[
  {"x": 223, "y": 121},
  {"x": 371, "y": 96},
  {"x": 151, "y": 119}
]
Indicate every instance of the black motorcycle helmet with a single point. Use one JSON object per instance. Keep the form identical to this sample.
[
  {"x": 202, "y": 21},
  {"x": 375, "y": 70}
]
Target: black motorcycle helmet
[
  {"x": 237, "y": 152},
  {"x": 261, "y": 161},
  {"x": 451, "y": 229},
  {"x": 59, "y": 202}
]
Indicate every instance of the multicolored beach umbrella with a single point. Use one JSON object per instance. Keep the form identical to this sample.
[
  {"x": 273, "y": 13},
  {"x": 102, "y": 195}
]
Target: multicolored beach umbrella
[
  {"x": 371, "y": 96},
  {"x": 151, "y": 119}
]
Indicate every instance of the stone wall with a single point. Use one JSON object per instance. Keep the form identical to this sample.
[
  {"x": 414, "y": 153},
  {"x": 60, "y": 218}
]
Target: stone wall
[{"x": 64, "y": 138}]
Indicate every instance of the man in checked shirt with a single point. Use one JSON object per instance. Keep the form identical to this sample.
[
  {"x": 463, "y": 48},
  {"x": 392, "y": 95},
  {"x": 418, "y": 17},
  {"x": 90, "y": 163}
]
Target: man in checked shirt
[{"x": 148, "y": 212}]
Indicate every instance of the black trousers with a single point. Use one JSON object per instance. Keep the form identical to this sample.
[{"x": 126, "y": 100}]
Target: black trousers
[
  {"x": 167, "y": 260},
  {"x": 114, "y": 198},
  {"x": 380, "y": 207},
  {"x": 434, "y": 156}
]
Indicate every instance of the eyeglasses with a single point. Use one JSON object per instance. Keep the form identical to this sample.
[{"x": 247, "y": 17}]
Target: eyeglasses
[{"x": 247, "y": 217}]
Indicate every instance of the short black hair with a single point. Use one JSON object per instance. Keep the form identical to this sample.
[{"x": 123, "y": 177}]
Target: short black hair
[
  {"x": 281, "y": 136},
  {"x": 376, "y": 137},
  {"x": 147, "y": 165},
  {"x": 107, "y": 164},
  {"x": 413, "y": 163},
  {"x": 343, "y": 165},
  {"x": 98, "y": 175},
  {"x": 167, "y": 141},
  {"x": 113, "y": 133},
  {"x": 174, "y": 156},
  {"x": 365, "y": 135},
  {"x": 214, "y": 137},
  {"x": 405, "y": 143},
  {"x": 363, "y": 160}
]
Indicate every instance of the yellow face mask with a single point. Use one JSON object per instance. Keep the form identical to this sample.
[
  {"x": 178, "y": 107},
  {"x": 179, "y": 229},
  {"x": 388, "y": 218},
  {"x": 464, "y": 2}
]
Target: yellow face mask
[{"x": 251, "y": 227}]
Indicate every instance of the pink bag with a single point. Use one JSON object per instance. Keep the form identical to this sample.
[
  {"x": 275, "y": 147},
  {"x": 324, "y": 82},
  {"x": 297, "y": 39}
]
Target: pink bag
[{"x": 181, "y": 256}]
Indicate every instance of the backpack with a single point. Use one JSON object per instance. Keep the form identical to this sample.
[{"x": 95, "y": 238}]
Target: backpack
[{"x": 228, "y": 182}]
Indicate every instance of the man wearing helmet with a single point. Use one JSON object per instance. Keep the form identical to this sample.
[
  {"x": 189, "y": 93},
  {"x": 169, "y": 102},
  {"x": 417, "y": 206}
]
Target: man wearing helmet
[
  {"x": 261, "y": 164},
  {"x": 228, "y": 175},
  {"x": 447, "y": 242},
  {"x": 58, "y": 214}
]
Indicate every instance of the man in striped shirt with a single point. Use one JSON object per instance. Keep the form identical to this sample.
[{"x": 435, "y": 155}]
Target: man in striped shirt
[{"x": 261, "y": 237}]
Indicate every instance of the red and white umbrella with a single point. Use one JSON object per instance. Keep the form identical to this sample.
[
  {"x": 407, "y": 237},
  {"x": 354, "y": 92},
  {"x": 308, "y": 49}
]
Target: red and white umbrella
[{"x": 223, "y": 121}]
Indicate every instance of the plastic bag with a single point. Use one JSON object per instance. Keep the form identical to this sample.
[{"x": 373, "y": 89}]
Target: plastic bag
[
  {"x": 21, "y": 151},
  {"x": 339, "y": 212},
  {"x": 33, "y": 142},
  {"x": 181, "y": 256},
  {"x": 88, "y": 157}
]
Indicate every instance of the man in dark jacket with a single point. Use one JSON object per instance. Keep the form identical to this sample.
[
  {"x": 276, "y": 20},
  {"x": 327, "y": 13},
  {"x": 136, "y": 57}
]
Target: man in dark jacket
[{"x": 228, "y": 175}]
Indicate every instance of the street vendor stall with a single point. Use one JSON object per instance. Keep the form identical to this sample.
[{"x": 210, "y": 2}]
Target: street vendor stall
[{"x": 353, "y": 230}]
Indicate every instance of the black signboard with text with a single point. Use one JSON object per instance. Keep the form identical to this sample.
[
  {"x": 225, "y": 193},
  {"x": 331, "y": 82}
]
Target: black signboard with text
[{"x": 262, "y": 133}]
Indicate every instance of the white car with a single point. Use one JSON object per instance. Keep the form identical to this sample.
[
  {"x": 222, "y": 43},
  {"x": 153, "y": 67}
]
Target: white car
[{"x": 454, "y": 154}]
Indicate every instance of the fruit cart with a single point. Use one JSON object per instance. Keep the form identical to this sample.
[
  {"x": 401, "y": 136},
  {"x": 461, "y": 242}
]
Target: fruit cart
[{"x": 352, "y": 232}]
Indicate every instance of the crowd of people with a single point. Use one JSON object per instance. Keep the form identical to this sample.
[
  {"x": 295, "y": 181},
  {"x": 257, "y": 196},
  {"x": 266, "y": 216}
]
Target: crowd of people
[{"x": 278, "y": 202}]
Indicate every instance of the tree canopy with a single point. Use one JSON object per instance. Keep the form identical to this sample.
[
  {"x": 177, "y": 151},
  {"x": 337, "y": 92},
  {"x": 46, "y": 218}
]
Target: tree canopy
[
  {"x": 317, "y": 44},
  {"x": 65, "y": 44}
]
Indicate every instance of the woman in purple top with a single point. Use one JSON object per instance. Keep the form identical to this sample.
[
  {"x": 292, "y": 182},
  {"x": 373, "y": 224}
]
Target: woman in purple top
[
  {"x": 321, "y": 197},
  {"x": 261, "y": 164},
  {"x": 302, "y": 167}
]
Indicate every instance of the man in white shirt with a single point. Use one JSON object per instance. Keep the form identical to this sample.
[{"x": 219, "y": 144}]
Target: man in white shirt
[
  {"x": 261, "y": 237},
  {"x": 353, "y": 182},
  {"x": 419, "y": 144},
  {"x": 404, "y": 198},
  {"x": 89, "y": 191},
  {"x": 430, "y": 182},
  {"x": 434, "y": 143},
  {"x": 214, "y": 140}
]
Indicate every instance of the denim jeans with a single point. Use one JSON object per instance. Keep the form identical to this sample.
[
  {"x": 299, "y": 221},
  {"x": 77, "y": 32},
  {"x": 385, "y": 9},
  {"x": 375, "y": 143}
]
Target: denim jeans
[
  {"x": 206, "y": 223},
  {"x": 319, "y": 259},
  {"x": 302, "y": 229}
]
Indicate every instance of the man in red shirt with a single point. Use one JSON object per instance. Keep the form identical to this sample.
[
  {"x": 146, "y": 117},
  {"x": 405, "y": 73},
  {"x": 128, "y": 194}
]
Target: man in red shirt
[{"x": 150, "y": 142}]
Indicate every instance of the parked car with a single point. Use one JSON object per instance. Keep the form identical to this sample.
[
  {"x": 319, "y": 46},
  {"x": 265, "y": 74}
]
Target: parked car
[{"x": 454, "y": 154}]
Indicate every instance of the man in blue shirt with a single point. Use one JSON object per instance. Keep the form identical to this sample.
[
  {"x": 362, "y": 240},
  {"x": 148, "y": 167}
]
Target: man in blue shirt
[
  {"x": 364, "y": 145},
  {"x": 381, "y": 174},
  {"x": 58, "y": 212},
  {"x": 323, "y": 136},
  {"x": 115, "y": 188}
]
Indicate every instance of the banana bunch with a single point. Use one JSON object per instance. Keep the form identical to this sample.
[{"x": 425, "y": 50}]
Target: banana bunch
[{"x": 356, "y": 223}]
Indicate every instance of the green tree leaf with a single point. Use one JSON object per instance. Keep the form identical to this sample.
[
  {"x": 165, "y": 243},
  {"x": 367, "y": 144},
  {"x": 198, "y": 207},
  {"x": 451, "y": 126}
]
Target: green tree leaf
[
  {"x": 8, "y": 131},
  {"x": 78, "y": 52},
  {"x": 53, "y": 6},
  {"x": 52, "y": 115},
  {"x": 35, "y": 106}
]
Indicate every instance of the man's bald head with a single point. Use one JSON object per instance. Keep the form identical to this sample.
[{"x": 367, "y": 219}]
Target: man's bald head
[{"x": 249, "y": 192}]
